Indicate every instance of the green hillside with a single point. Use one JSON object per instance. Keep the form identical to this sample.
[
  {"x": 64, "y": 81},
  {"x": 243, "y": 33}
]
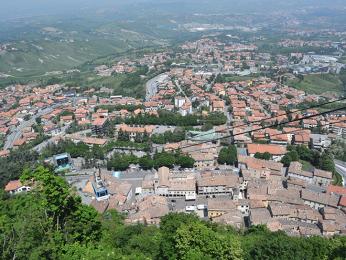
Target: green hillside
[
  {"x": 51, "y": 47},
  {"x": 319, "y": 84}
]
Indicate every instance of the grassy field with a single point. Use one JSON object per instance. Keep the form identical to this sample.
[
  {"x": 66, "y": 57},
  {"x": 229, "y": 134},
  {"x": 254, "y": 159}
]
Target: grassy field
[
  {"x": 318, "y": 84},
  {"x": 239, "y": 78}
]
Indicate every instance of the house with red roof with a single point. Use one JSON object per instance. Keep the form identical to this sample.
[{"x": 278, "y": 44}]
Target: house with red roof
[
  {"x": 99, "y": 126},
  {"x": 14, "y": 187},
  {"x": 277, "y": 151}
]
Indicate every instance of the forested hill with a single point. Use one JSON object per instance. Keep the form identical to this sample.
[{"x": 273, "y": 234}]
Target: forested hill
[{"x": 50, "y": 222}]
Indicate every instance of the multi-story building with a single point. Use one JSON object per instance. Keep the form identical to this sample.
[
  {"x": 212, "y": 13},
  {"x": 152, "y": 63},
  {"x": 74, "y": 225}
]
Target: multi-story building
[
  {"x": 319, "y": 200},
  {"x": 174, "y": 185},
  {"x": 135, "y": 131},
  {"x": 99, "y": 126},
  {"x": 295, "y": 171},
  {"x": 322, "y": 178},
  {"x": 210, "y": 183}
]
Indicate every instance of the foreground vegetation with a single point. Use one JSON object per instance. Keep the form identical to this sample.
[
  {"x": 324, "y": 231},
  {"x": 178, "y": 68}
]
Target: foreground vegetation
[{"x": 51, "y": 223}]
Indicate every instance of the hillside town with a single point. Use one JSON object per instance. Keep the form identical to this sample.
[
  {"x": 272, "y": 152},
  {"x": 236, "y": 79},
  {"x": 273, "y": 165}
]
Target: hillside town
[{"x": 204, "y": 140}]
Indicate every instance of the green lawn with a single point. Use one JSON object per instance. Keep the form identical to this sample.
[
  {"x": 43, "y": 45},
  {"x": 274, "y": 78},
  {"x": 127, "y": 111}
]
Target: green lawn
[
  {"x": 307, "y": 166},
  {"x": 239, "y": 78},
  {"x": 318, "y": 84}
]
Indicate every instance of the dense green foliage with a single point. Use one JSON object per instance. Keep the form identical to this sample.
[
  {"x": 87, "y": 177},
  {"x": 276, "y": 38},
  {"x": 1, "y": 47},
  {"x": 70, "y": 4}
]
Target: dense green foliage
[
  {"x": 50, "y": 222},
  {"x": 121, "y": 162},
  {"x": 174, "y": 119},
  {"x": 112, "y": 108},
  {"x": 338, "y": 149},
  {"x": 13, "y": 166},
  {"x": 94, "y": 152},
  {"x": 264, "y": 156},
  {"x": 75, "y": 150},
  {"x": 291, "y": 156},
  {"x": 323, "y": 161},
  {"x": 228, "y": 155},
  {"x": 169, "y": 137},
  {"x": 38, "y": 224}
]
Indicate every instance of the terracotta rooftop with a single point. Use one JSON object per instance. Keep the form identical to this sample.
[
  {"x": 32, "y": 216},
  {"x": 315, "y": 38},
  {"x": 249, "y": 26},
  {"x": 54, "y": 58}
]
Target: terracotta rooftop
[
  {"x": 336, "y": 189},
  {"x": 262, "y": 148},
  {"x": 323, "y": 174},
  {"x": 321, "y": 198},
  {"x": 99, "y": 121},
  {"x": 13, "y": 185},
  {"x": 227, "y": 180}
]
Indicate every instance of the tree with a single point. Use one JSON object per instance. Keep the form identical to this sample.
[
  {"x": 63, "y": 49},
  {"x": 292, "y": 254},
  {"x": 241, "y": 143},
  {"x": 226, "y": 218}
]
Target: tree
[
  {"x": 88, "y": 252},
  {"x": 13, "y": 166},
  {"x": 146, "y": 163},
  {"x": 291, "y": 156},
  {"x": 286, "y": 160},
  {"x": 276, "y": 247},
  {"x": 38, "y": 224},
  {"x": 38, "y": 120},
  {"x": 168, "y": 226},
  {"x": 264, "y": 156},
  {"x": 118, "y": 163},
  {"x": 327, "y": 163},
  {"x": 164, "y": 159},
  {"x": 158, "y": 139},
  {"x": 204, "y": 241},
  {"x": 97, "y": 152},
  {"x": 228, "y": 155},
  {"x": 65, "y": 210},
  {"x": 304, "y": 153},
  {"x": 206, "y": 127},
  {"x": 185, "y": 161},
  {"x": 123, "y": 136}
]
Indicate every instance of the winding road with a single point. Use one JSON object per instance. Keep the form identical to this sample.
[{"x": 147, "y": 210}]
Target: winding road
[
  {"x": 17, "y": 132},
  {"x": 152, "y": 85},
  {"x": 341, "y": 169}
]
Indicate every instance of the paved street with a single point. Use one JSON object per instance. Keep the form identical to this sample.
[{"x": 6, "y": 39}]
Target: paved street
[
  {"x": 152, "y": 85},
  {"x": 341, "y": 169},
  {"x": 16, "y": 134},
  {"x": 180, "y": 89}
]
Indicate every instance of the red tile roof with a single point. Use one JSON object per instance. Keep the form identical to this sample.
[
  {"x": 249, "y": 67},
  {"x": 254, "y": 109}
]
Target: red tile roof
[
  {"x": 262, "y": 148},
  {"x": 4, "y": 153},
  {"x": 342, "y": 201},
  {"x": 336, "y": 189},
  {"x": 13, "y": 185},
  {"x": 99, "y": 121}
]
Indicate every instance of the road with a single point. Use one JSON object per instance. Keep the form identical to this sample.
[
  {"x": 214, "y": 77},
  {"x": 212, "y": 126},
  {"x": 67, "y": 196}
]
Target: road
[
  {"x": 341, "y": 169},
  {"x": 180, "y": 89},
  {"x": 17, "y": 133},
  {"x": 152, "y": 85},
  {"x": 229, "y": 116}
]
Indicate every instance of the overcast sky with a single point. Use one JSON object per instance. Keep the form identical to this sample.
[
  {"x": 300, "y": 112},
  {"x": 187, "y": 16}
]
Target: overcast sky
[
  {"x": 23, "y": 8},
  {"x": 26, "y": 8}
]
